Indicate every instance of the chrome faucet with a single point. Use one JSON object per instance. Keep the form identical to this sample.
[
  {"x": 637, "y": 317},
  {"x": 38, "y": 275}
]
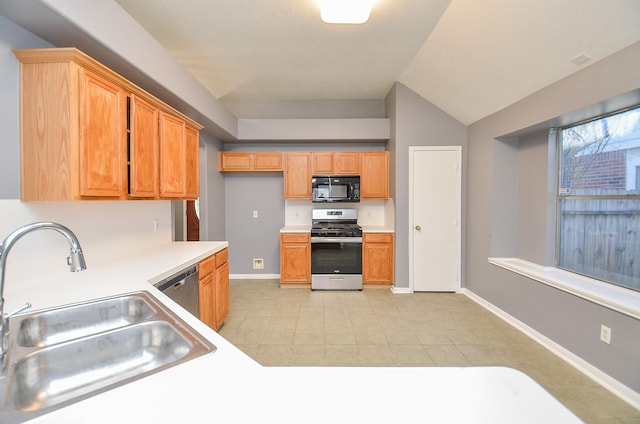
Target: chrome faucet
[{"x": 75, "y": 260}]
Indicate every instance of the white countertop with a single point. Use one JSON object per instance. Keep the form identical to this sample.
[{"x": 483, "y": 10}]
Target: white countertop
[{"x": 227, "y": 385}]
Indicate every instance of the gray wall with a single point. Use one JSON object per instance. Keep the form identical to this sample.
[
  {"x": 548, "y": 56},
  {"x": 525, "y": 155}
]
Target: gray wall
[
  {"x": 254, "y": 237},
  {"x": 535, "y": 200},
  {"x": 212, "y": 190},
  {"x": 416, "y": 122},
  {"x": 495, "y": 212}
]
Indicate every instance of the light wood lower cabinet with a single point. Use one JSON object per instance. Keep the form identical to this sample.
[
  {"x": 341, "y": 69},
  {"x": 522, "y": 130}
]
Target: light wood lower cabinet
[
  {"x": 377, "y": 258},
  {"x": 214, "y": 289},
  {"x": 295, "y": 258}
]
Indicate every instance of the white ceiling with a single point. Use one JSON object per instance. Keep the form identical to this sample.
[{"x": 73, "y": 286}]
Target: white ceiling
[{"x": 471, "y": 58}]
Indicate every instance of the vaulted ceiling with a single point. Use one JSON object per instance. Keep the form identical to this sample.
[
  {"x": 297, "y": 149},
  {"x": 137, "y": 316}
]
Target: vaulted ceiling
[{"x": 470, "y": 58}]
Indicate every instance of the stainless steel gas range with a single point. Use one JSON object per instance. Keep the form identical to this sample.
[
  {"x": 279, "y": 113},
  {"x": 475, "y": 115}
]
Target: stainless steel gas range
[{"x": 336, "y": 250}]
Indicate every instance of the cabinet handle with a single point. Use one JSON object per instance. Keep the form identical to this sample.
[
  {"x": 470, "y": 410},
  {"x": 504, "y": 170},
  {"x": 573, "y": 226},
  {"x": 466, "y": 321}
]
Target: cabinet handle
[{"x": 418, "y": 228}]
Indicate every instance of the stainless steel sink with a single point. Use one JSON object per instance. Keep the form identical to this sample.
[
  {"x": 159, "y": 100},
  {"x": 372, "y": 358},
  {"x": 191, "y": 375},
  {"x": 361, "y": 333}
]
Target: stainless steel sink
[
  {"x": 63, "y": 355},
  {"x": 75, "y": 321}
]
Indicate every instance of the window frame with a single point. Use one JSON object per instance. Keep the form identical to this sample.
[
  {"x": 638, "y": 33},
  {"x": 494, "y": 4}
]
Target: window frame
[{"x": 559, "y": 196}]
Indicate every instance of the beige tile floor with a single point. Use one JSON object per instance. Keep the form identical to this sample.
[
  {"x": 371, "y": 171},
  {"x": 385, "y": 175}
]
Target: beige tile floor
[{"x": 289, "y": 327}]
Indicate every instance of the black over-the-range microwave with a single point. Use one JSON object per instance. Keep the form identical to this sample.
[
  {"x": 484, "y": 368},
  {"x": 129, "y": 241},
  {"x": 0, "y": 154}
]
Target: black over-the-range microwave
[{"x": 335, "y": 188}]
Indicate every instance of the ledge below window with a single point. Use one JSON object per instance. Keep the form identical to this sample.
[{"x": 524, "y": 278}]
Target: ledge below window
[{"x": 619, "y": 299}]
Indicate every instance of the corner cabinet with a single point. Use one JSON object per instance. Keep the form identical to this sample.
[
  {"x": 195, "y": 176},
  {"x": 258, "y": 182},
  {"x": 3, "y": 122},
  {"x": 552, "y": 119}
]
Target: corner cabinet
[
  {"x": 295, "y": 258},
  {"x": 377, "y": 258},
  {"x": 88, "y": 133},
  {"x": 214, "y": 289}
]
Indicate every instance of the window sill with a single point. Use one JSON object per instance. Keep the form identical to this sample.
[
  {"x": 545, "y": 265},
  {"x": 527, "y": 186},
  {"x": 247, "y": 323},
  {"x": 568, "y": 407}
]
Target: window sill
[{"x": 619, "y": 299}]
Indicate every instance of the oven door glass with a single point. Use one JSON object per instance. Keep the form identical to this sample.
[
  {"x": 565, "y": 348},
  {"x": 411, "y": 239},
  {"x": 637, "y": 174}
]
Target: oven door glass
[{"x": 336, "y": 258}]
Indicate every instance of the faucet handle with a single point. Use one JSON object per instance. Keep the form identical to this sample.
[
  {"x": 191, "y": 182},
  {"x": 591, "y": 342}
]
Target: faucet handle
[{"x": 17, "y": 311}]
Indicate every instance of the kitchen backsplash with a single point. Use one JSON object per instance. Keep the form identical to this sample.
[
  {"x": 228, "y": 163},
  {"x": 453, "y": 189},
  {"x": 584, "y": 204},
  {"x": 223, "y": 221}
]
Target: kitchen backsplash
[{"x": 370, "y": 211}]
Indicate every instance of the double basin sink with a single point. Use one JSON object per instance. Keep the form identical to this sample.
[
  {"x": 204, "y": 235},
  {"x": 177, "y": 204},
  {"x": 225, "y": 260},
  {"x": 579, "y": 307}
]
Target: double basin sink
[{"x": 59, "y": 356}]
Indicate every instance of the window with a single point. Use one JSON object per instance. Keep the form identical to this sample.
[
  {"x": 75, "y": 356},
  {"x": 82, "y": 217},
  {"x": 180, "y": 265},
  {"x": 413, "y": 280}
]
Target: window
[{"x": 599, "y": 198}]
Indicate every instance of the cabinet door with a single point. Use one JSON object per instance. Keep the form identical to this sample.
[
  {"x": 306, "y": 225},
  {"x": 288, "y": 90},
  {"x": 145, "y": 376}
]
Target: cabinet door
[
  {"x": 295, "y": 258},
  {"x": 267, "y": 161},
  {"x": 192, "y": 171},
  {"x": 172, "y": 156},
  {"x": 346, "y": 163},
  {"x": 235, "y": 161},
  {"x": 207, "y": 293},
  {"x": 102, "y": 137},
  {"x": 297, "y": 175},
  {"x": 143, "y": 149},
  {"x": 322, "y": 163},
  {"x": 377, "y": 258},
  {"x": 222, "y": 294},
  {"x": 374, "y": 175}
]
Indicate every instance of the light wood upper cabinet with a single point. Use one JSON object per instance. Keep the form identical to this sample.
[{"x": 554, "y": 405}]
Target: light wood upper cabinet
[
  {"x": 103, "y": 152},
  {"x": 322, "y": 163},
  {"x": 74, "y": 119},
  {"x": 192, "y": 171},
  {"x": 143, "y": 149},
  {"x": 335, "y": 163},
  {"x": 235, "y": 161},
  {"x": 297, "y": 175},
  {"x": 172, "y": 156},
  {"x": 249, "y": 161},
  {"x": 72, "y": 133},
  {"x": 267, "y": 161},
  {"x": 346, "y": 163},
  {"x": 374, "y": 175}
]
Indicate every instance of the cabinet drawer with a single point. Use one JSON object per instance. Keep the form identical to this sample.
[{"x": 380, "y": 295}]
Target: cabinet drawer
[
  {"x": 378, "y": 237},
  {"x": 295, "y": 237},
  {"x": 207, "y": 266},
  {"x": 222, "y": 257}
]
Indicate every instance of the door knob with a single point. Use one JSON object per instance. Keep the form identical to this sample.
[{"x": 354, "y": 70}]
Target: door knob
[{"x": 418, "y": 228}]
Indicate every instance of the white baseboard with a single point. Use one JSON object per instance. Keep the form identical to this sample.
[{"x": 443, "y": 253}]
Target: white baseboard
[
  {"x": 254, "y": 276},
  {"x": 401, "y": 290},
  {"x": 614, "y": 386}
]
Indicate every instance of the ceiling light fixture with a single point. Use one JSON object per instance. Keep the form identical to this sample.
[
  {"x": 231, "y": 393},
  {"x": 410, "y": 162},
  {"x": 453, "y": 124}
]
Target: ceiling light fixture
[{"x": 345, "y": 11}]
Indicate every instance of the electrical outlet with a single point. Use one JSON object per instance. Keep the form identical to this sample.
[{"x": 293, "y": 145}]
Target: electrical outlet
[
  {"x": 605, "y": 334},
  {"x": 255, "y": 214},
  {"x": 258, "y": 263},
  {"x": 156, "y": 225}
]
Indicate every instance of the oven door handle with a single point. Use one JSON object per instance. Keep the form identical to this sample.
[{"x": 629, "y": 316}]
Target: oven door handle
[{"x": 336, "y": 239}]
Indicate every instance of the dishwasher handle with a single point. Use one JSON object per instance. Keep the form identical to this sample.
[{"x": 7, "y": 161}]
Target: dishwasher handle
[{"x": 176, "y": 281}]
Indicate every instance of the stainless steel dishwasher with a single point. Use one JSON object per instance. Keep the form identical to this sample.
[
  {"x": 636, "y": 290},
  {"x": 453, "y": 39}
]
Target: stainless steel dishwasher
[{"x": 182, "y": 288}]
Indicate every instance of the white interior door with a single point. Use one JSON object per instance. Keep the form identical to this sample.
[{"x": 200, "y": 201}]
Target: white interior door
[{"x": 434, "y": 233}]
